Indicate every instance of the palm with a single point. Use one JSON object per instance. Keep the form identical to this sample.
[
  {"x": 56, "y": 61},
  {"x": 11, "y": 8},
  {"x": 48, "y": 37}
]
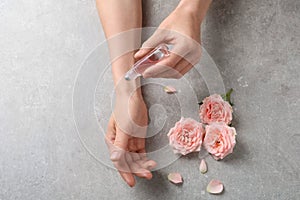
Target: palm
[{"x": 132, "y": 158}]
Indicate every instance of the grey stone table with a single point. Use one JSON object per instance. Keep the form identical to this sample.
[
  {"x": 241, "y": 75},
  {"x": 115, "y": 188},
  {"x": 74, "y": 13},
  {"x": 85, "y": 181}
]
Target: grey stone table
[{"x": 255, "y": 45}]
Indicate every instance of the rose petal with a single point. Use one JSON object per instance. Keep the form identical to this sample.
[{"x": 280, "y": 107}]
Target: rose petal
[
  {"x": 169, "y": 89},
  {"x": 175, "y": 178},
  {"x": 203, "y": 166},
  {"x": 215, "y": 187}
]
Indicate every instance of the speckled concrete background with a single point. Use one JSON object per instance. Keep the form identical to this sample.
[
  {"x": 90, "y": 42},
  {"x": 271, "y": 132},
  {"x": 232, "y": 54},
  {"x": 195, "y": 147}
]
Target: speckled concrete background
[{"x": 256, "y": 47}]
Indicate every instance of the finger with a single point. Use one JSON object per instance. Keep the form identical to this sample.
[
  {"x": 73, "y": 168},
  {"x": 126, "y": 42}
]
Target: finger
[
  {"x": 135, "y": 157},
  {"x": 118, "y": 148},
  {"x": 170, "y": 74},
  {"x": 149, "y": 164},
  {"x": 182, "y": 64},
  {"x": 156, "y": 39},
  {"x": 128, "y": 178},
  {"x": 140, "y": 157},
  {"x": 144, "y": 162},
  {"x": 132, "y": 144},
  {"x": 119, "y": 160},
  {"x": 115, "y": 142},
  {"x": 136, "y": 168},
  {"x": 186, "y": 69},
  {"x": 177, "y": 71},
  {"x": 162, "y": 66},
  {"x": 176, "y": 55},
  {"x": 142, "y": 154},
  {"x": 117, "y": 156},
  {"x": 140, "y": 143}
]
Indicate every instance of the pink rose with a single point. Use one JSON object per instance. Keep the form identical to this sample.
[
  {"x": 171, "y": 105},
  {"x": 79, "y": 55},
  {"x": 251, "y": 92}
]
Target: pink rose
[
  {"x": 186, "y": 136},
  {"x": 215, "y": 109},
  {"x": 219, "y": 140}
]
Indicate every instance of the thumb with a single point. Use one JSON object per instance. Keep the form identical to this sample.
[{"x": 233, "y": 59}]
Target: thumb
[
  {"x": 120, "y": 145},
  {"x": 118, "y": 157},
  {"x": 152, "y": 42},
  {"x": 118, "y": 152}
]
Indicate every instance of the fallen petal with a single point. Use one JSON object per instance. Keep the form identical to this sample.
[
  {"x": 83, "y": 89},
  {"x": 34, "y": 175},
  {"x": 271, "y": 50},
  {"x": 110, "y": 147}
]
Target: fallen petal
[
  {"x": 215, "y": 187},
  {"x": 170, "y": 89},
  {"x": 203, "y": 166},
  {"x": 175, "y": 178}
]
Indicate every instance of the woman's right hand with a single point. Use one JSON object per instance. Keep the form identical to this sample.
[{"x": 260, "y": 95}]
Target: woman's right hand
[{"x": 182, "y": 30}]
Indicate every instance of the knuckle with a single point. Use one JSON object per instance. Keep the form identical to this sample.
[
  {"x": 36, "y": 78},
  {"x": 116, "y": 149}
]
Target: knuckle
[
  {"x": 178, "y": 76},
  {"x": 197, "y": 59},
  {"x": 197, "y": 51},
  {"x": 148, "y": 75},
  {"x": 140, "y": 145},
  {"x": 169, "y": 63},
  {"x": 189, "y": 42}
]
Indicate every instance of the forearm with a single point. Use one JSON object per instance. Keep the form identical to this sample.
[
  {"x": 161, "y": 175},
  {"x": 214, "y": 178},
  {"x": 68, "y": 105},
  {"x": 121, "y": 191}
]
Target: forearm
[
  {"x": 198, "y": 8},
  {"x": 120, "y": 16}
]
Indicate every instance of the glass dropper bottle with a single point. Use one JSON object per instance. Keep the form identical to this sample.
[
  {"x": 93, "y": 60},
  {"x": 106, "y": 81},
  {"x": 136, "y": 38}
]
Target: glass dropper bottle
[{"x": 156, "y": 55}]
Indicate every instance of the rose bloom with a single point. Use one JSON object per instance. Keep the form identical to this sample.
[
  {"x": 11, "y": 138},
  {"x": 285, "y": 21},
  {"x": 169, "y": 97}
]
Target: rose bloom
[
  {"x": 219, "y": 140},
  {"x": 215, "y": 109},
  {"x": 186, "y": 136}
]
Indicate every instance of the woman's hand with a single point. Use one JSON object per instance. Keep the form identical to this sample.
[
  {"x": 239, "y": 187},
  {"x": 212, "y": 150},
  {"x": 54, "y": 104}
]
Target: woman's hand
[
  {"x": 125, "y": 138},
  {"x": 128, "y": 125},
  {"x": 182, "y": 30}
]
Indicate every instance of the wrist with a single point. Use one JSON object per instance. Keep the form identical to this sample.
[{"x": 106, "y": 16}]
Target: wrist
[
  {"x": 128, "y": 88},
  {"x": 119, "y": 68},
  {"x": 196, "y": 8},
  {"x": 133, "y": 98}
]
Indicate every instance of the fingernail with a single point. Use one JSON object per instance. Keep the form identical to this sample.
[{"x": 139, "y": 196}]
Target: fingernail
[
  {"x": 137, "y": 54},
  {"x": 130, "y": 184},
  {"x": 151, "y": 165},
  {"x": 115, "y": 156},
  {"x": 148, "y": 176}
]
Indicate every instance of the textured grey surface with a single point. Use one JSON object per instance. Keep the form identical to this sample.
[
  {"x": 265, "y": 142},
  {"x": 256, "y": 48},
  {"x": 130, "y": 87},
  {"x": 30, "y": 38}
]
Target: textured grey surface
[{"x": 256, "y": 47}]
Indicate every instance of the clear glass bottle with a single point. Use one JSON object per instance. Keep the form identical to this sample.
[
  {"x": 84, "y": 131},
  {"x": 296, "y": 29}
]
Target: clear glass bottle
[{"x": 156, "y": 55}]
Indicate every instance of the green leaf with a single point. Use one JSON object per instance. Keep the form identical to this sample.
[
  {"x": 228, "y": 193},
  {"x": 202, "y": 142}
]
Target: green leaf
[{"x": 227, "y": 96}]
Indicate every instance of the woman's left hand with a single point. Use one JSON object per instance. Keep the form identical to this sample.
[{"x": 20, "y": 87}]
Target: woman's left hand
[{"x": 125, "y": 138}]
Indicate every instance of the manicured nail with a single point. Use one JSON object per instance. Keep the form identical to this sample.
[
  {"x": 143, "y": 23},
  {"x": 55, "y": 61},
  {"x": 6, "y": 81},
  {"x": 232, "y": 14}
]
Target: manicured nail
[
  {"x": 115, "y": 156},
  {"x": 137, "y": 54},
  {"x": 147, "y": 175},
  {"x": 151, "y": 164},
  {"x": 130, "y": 184}
]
